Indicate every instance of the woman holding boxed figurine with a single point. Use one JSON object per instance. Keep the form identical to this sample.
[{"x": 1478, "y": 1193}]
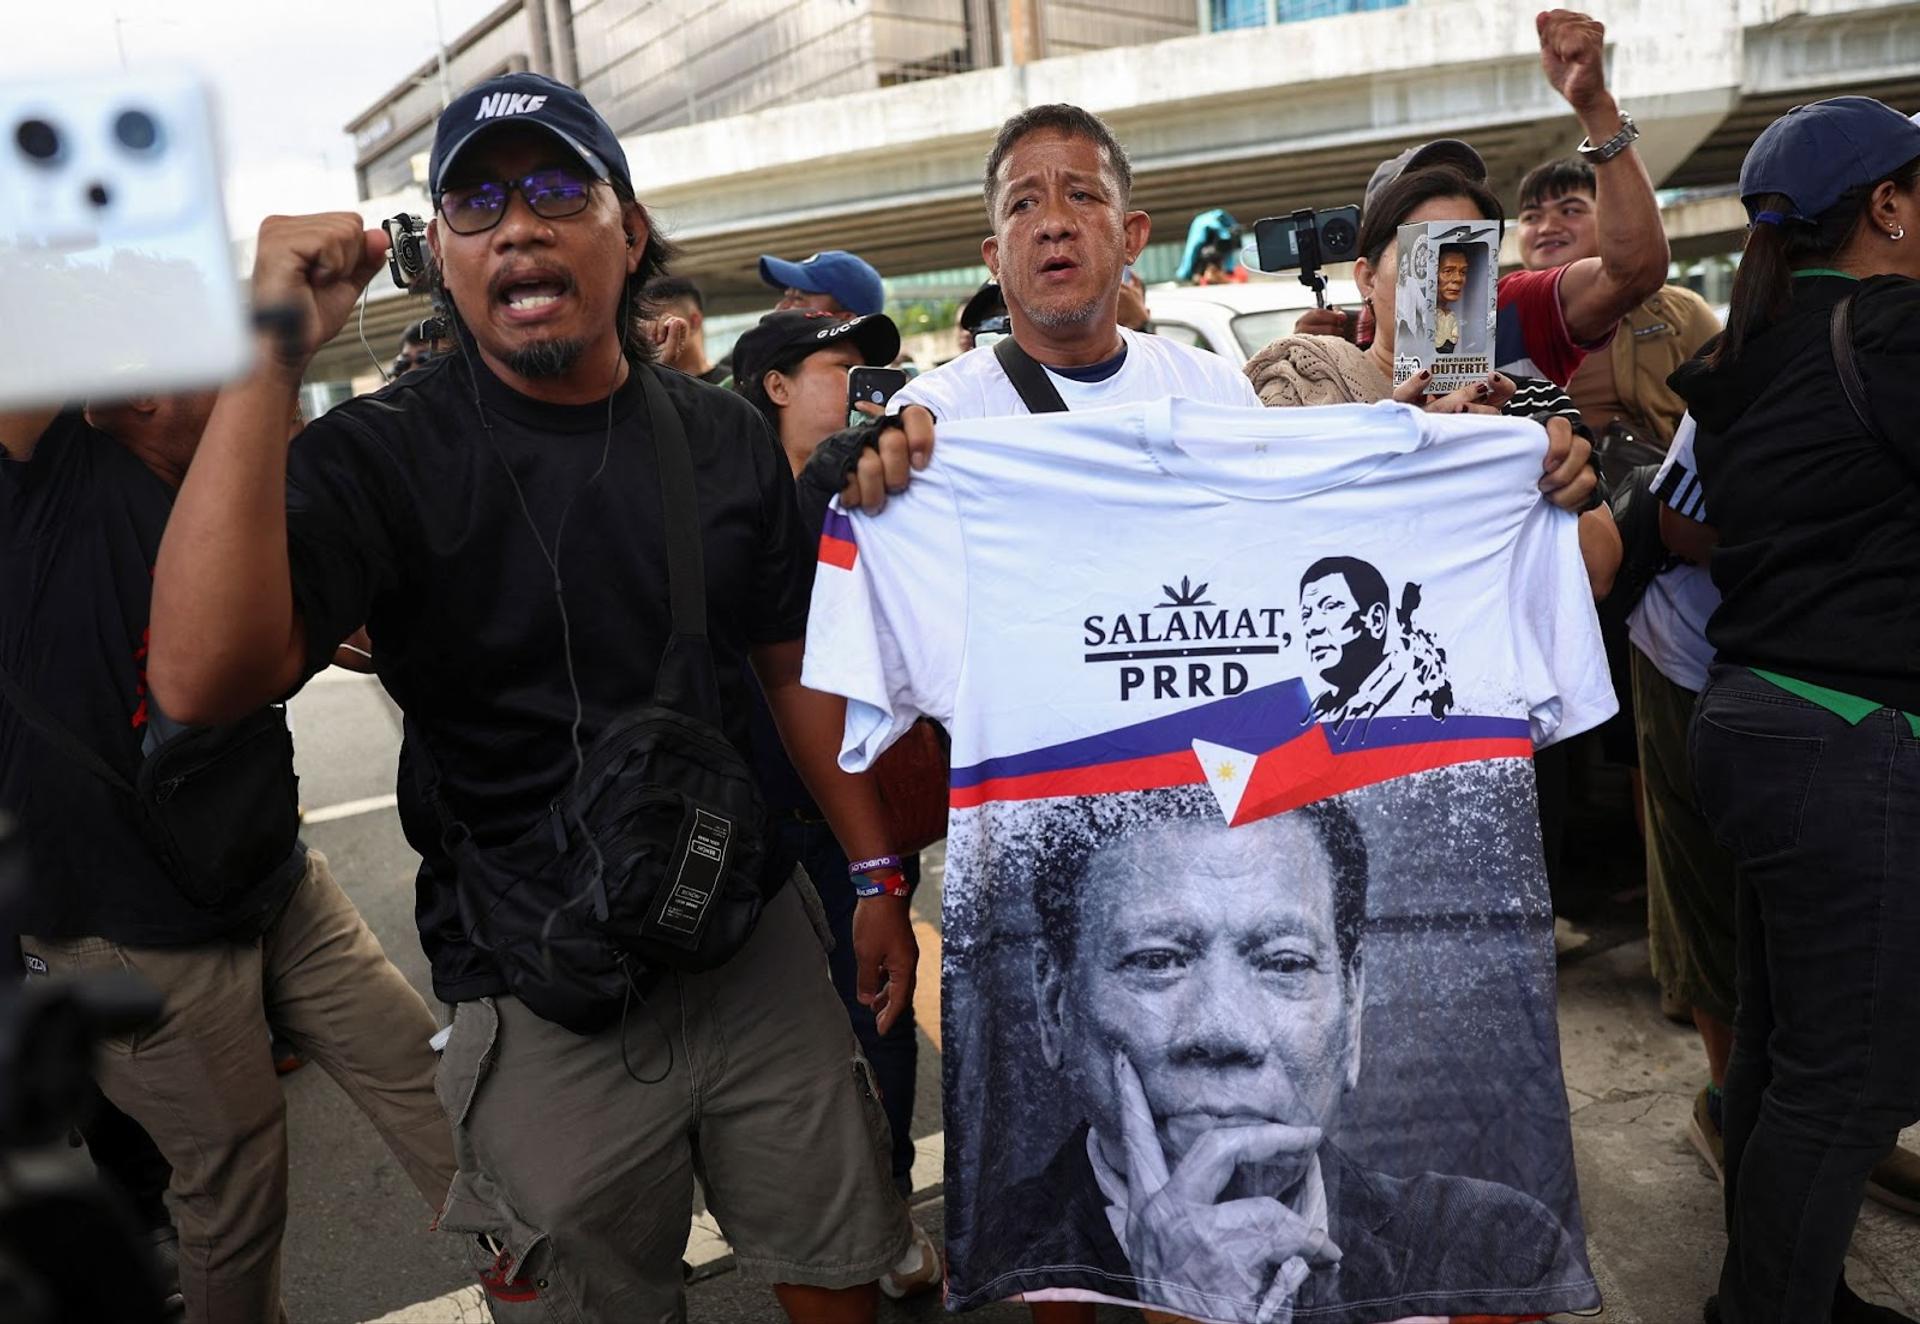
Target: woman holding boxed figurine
[{"x": 1327, "y": 370}]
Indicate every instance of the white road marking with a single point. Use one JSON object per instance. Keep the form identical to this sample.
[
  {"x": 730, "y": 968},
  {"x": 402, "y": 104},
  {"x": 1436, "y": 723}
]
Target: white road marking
[
  {"x": 705, "y": 1245},
  {"x": 466, "y": 1306},
  {"x": 349, "y": 809}
]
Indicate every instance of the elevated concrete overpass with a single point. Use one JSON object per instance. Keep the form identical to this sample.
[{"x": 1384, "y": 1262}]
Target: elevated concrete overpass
[
  {"x": 1257, "y": 120},
  {"x": 1254, "y": 120}
]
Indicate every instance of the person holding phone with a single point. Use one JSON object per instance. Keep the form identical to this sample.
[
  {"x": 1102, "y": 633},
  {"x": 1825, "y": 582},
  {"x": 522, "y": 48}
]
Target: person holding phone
[{"x": 794, "y": 366}]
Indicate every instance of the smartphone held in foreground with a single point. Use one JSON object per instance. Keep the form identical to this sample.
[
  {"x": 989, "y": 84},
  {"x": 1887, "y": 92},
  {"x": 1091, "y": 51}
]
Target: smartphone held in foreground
[{"x": 115, "y": 268}]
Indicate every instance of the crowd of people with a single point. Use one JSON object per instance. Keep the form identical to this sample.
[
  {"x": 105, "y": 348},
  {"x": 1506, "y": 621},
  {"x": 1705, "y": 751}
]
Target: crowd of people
[{"x": 579, "y": 552}]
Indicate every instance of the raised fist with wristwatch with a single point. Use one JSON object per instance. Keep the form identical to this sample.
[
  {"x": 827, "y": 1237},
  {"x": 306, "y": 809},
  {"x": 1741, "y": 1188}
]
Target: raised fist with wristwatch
[{"x": 1573, "y": 56}]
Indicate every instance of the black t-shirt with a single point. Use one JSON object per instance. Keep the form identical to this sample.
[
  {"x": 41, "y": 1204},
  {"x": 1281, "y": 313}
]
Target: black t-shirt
[
  {"x": 1819, "y": 556},
  {"x": 80, "y": 526},
  {"x": 402, "y": 515}
]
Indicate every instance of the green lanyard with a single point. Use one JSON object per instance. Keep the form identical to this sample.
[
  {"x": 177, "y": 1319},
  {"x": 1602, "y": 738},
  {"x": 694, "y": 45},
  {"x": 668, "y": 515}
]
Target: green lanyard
[{"x": 1824, "y": 271}]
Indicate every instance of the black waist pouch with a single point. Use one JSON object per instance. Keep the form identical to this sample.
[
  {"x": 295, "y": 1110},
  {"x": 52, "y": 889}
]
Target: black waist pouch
[
  {"x": 656, "y": 856},
  {"x": 218, "y": 805}
]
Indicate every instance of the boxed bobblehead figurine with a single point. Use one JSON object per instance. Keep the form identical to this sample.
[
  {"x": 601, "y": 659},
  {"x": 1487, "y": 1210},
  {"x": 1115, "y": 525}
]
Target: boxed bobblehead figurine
[{"x": 1443, "y": 302}]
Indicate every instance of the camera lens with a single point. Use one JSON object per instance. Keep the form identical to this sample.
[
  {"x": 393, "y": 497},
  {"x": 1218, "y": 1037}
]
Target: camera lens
[
  {"x": 136, "y": 131},
  {"x": 38, "y": 140},
  {"x": 1340, "y": 236}
]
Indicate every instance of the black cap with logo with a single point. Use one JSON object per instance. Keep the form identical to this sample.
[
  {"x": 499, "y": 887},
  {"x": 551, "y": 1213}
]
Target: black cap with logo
[
  {"x": 526, "y": 99},
  {"x": 780, "y": 340}
]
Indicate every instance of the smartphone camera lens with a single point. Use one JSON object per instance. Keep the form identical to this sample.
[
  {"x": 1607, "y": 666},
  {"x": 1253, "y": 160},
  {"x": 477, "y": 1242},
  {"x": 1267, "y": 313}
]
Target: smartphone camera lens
[
  {"x": 38, "y": 141},
  {"x": 136, "y": 131}
]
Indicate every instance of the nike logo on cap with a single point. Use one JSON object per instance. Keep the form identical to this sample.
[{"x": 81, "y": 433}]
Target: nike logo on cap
[{"x": 496, "y": 104}]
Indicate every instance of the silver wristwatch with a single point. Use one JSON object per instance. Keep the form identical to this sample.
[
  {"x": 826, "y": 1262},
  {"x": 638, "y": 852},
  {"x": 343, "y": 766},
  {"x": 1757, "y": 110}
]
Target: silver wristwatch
[{"x": 1613, "y": 146}]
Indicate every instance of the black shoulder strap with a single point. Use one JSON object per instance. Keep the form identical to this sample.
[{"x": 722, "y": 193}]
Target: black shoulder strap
[
  {"x": 1036, "y": 389},
  {"x": 687, "y": 680},
  {"x": 50, "y": 729},
  {"x": 1840, "y": 332},
  {"x": 680, "y": 510}
]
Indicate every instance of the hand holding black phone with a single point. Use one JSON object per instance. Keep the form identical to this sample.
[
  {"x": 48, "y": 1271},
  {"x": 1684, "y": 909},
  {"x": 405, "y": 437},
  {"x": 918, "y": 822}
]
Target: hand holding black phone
[{"x": 873, "y": 386}]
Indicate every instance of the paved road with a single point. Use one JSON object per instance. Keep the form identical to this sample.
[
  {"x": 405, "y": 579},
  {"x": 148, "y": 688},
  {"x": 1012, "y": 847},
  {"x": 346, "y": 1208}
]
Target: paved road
[{"x": 358, "y": 1248}]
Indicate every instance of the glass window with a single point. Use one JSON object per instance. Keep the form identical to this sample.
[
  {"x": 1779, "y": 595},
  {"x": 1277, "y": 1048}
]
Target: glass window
[
  {"x": 1293, "y": 11},
  {"x": 1224, "y": 15},
  {"x": 1181, "y": 334},
  {"x": 1255, "y": 331}
]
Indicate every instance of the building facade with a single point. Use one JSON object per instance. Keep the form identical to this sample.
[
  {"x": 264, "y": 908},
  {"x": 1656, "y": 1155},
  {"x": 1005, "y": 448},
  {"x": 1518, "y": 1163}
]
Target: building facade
[{"x": 652, "y": 65}]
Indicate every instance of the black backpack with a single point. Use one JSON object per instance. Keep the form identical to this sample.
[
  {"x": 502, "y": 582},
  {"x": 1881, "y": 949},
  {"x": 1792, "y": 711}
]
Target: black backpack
[{"x": 656, "y": 856}]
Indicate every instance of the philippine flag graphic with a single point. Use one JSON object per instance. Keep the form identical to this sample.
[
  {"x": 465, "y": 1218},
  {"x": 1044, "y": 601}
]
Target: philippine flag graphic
[
  {"x": 837, "y": 547},
  {"x": 1261, "y": 752}
]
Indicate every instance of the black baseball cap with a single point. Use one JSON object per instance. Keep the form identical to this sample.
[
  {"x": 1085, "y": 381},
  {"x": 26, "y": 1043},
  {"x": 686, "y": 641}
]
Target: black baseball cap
[
  {"x": 1441, "y": 151},
  {"x": 987, "y": 301},
  {"x": 526, "y": 99},
  {"x": 782, "y": 339}
]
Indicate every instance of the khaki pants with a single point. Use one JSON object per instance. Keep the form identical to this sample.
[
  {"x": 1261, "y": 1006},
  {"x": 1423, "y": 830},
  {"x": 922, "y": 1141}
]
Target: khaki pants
[
  {"x": 578, "y": 1153},
  {"x": 201, "y": 1079}
]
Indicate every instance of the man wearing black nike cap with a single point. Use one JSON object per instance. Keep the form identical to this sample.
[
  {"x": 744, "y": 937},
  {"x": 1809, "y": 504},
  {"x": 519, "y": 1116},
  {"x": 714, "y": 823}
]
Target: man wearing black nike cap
[{"x": 497, "y": 520}]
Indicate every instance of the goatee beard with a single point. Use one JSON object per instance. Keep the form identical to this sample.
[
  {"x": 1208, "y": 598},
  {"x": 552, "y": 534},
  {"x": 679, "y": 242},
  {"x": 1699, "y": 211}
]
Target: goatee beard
[{"x": 546, "y": 358}]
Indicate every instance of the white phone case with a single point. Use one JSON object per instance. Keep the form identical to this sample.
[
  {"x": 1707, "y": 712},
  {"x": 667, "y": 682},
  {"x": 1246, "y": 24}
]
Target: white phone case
[{"x": 116, "y": 277}]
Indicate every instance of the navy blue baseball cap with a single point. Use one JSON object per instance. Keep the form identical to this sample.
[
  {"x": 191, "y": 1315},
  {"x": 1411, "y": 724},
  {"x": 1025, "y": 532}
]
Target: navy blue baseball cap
[
  {"x": 854, "y": 285},
  {"x": 1815, "y": 154},
  {"x": 526, "y": 99}
]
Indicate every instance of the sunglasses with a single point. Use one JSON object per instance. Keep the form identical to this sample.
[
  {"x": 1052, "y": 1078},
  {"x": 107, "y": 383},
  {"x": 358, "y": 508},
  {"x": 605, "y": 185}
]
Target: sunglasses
[{"x": 550, "y": 195}]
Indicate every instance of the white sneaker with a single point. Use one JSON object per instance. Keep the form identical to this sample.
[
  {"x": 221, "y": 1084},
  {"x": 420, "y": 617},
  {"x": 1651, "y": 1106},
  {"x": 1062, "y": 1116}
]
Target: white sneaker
[{"x": 919, "y": 1269}]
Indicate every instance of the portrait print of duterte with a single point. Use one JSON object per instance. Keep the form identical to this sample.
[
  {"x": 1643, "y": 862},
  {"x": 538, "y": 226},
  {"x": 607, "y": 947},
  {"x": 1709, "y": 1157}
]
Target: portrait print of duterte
[
  {"x": 1373, "y": 660},
  {"x": 1200, "y": 991}
]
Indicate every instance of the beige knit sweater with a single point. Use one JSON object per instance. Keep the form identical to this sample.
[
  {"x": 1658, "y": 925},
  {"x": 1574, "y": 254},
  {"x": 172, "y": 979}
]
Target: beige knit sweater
[{"x": 1316, "y": 370}]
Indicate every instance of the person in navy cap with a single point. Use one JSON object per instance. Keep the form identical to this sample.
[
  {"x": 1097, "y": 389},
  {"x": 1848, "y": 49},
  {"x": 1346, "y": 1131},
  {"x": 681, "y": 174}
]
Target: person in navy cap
[
  {"x": 1806, "y": 740},
  {"x": 497, "y": 519},
  {"x": 833, "y": 281}
]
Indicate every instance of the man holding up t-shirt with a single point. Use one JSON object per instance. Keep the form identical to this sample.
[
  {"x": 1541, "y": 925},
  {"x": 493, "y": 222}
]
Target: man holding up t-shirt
[
  {"x": 1057, "y": 191},
  {"x": 498, "y": 520}
]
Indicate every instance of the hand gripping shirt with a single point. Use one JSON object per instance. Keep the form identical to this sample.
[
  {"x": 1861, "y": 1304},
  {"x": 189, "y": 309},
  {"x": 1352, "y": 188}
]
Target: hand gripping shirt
[{"x": 1244, "y": 902}]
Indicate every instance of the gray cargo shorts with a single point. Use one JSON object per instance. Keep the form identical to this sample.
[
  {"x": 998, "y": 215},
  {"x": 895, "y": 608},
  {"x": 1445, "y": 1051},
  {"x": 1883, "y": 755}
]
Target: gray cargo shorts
[{"x": 581, "y": 1177}]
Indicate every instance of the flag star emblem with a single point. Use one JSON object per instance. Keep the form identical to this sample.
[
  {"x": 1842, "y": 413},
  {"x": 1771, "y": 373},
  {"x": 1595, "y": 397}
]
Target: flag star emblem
[{"x": 1226, "y": 770}]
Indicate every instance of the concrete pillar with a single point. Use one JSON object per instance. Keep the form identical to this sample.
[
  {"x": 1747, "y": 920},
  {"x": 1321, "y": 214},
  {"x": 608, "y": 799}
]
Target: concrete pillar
[
  {"x": 539, "y": 48},
  {"x": 1027, "y": 38},
  {"x": 983, "y": 46},
  {"x": 566, "y": 67}
]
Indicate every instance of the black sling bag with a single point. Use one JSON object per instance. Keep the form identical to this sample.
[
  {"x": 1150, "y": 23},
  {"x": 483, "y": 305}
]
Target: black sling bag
[
  {"x": 1036, "y": 389},
  {"x": 1840, "y": 337},
  {"x": 219, "y": 806},
  {"x": 656, "y": 856}
]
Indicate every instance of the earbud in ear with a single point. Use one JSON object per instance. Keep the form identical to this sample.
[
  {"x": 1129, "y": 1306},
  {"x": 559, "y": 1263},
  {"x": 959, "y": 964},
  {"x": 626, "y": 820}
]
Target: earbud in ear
[{"x": 629, "y": 241}]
